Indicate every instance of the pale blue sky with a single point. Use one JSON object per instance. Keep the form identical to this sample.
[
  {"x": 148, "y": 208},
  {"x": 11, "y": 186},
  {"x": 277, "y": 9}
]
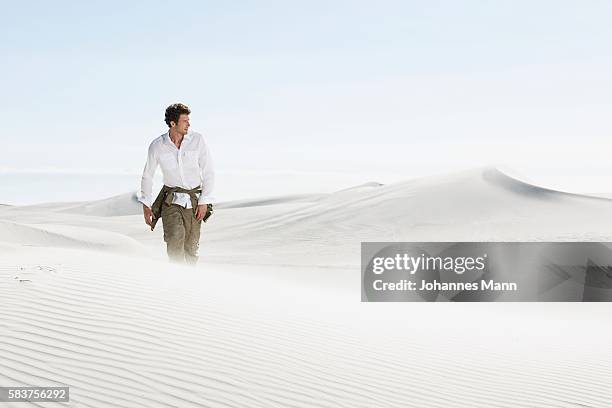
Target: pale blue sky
[{"x": 386, "y": 89}]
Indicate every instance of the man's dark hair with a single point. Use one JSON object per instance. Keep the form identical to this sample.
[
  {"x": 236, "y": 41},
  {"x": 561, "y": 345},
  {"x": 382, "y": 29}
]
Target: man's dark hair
[{"x": 174, "y": 111}]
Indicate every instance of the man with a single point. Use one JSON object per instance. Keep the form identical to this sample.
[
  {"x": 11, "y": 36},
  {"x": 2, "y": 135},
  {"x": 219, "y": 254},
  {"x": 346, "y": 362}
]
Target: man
[{"x": 185, "y": 200}]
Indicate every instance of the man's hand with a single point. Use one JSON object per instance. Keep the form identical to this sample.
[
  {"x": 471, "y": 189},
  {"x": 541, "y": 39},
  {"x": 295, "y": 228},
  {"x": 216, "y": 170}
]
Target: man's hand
[
  {"x": 201, "y": 212},
  {"x": 148, "y": 215}
]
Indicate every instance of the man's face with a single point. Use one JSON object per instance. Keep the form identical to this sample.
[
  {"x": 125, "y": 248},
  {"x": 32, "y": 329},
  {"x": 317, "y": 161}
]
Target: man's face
[{"x": 183, "y": 124}]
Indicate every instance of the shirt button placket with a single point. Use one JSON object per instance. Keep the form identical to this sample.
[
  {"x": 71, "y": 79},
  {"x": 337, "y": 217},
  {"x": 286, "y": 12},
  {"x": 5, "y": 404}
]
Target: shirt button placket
[{"x": 180, "y": 164}]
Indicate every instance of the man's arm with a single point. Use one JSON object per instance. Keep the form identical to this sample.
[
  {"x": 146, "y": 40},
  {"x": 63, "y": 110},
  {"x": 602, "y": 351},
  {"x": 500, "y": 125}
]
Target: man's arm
[
  {"x": 207, "y": 177},
  {"x": 146, "y": 184},
  {"x": 207, "y": 174}
]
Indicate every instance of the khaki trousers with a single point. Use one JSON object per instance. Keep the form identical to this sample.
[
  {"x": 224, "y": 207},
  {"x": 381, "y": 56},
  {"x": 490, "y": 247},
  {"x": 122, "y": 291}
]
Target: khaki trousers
[{"x": 181, "y": 233}]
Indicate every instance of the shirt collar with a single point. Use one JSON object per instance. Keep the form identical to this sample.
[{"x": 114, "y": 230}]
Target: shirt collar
[{"x": 168, "y": 140}]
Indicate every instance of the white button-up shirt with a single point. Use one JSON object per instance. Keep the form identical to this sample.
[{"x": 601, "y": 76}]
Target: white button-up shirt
[{"x": 188, "y": 167}]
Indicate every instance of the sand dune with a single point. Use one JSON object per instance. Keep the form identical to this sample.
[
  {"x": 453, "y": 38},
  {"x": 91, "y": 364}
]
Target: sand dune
[
  {"x": 49, "y": 235},
  {"x": 129, "y": 333},
  {"x": 477, "y": 205},
  {"x": 298, "y": 198},
  {"x": 124, "y": 204},
  {"x": 272, "y": 317}
]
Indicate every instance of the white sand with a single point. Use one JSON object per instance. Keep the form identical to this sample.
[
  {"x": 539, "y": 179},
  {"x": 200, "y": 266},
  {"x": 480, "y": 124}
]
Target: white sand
[{"x": 272, "y": 315}]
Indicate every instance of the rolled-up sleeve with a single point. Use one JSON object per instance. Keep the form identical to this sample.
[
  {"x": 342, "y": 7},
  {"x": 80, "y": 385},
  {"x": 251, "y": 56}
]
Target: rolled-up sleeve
[
  {"x": 207, "y": 174},
  {"x": 146, "y": 184}
]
